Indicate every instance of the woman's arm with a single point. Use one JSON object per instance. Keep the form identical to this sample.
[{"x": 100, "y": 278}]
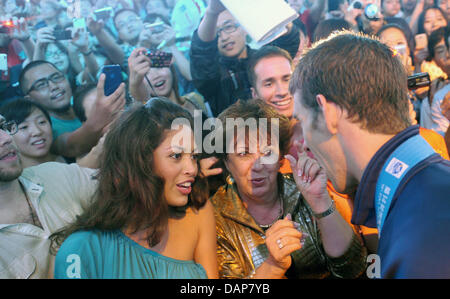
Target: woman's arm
[
  {"x": 343, "y": 248},
  {"x": 81, "y": 42},
  {"x": 115, "y": 53},
  {"x": 311, "y": 180},
  {"x": 21, "y": 33},
  {"x": 138, "y": 66},
  {"x": 92, "y": 159},
  {"x": 206, "y": 250},
  {"x": 44, "y": 36},
  {"x": 415, "y": 16}
]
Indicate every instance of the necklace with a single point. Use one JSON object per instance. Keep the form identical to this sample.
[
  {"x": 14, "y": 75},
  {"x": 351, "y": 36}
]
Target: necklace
[{"x": 280, "y": 215}]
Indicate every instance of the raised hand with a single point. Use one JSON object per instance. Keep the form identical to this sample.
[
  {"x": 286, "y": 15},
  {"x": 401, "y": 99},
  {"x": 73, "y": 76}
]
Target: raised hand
[
  {"x": 80, "y": 39},
  {"x": 106, "y": 108},
  {"x": 44, "y": 36},
  {"x": 215, "y": 6},
  {"x": 139, "y": 65},
  {"x": 20, "y": 30},
  {"x": 95, "y": 26},
  {"x": 310, "y": 178},
  {"x": 206, "y": 164}
]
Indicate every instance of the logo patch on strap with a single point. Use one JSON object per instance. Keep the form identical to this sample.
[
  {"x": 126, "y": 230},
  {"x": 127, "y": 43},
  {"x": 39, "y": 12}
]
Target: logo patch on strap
[{"x": 396, "y": 168}]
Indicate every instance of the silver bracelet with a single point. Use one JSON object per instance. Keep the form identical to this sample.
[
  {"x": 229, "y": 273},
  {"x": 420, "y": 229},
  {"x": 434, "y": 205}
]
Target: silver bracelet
[{"x": 329, "y": 211}]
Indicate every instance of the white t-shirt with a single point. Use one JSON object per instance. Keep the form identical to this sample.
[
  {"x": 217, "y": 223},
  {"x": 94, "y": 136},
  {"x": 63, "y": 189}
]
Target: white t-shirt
[{"x": 432, "y": 117}]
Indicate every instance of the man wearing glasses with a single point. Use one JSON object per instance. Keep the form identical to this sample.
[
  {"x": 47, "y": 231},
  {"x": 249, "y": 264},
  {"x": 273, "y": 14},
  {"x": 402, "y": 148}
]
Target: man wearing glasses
[
  {"x": 34, "y": 203},
  {"x": 219, "y": 57},
  {"x": 42, "y": 82}
]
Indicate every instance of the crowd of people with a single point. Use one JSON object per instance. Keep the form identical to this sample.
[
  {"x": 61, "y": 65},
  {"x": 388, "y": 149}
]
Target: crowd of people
[{"x": 99, "y": 184}]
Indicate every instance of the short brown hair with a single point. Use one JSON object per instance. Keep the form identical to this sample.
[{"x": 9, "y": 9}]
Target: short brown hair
[
  {"x": 257, "y": 109},
  {"x": 264, "y": 52},
  {"x": 360, "y": 75}
]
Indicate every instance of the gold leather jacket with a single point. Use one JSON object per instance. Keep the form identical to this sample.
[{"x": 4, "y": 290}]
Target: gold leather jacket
[{"x": 241, "y": 242}]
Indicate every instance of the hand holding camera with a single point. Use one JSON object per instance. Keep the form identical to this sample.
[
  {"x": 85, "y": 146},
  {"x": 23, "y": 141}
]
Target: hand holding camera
[
  {"x": 139, "y": 66},
  {"x": 44, "y": 36},
  {"x": 19, "y": 29},
  {"x": 353, "y": 11},
  {"x": 159, "y": 59},
  {"x": 160, "y": 35}
]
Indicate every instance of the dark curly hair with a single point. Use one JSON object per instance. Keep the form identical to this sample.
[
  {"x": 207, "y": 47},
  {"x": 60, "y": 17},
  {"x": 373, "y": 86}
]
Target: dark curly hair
[{"x": 130, "y": 194}]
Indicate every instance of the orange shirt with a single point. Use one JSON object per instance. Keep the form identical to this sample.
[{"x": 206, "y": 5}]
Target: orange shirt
[{"x": 436, "y": 141}]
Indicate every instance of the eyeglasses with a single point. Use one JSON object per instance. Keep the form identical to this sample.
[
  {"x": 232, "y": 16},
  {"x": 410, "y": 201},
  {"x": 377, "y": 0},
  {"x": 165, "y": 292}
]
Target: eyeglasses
[
  {"x": 54, "y": 54},
  {"x": 42, "y": 84},
  {"x": 130, "y": 19},
  {"x": 9, "y": 127},
  {"x": 229, "y": 28}
]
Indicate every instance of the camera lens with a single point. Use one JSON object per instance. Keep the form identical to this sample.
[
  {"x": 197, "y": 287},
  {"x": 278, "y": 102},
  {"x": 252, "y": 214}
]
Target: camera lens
[{"x": 372, "y": 12}]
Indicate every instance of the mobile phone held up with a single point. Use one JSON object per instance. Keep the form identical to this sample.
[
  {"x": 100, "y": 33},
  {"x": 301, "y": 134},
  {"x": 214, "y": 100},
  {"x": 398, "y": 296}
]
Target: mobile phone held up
[
  {"x": 113, "y": 78},
  {"x": 62, "y": 34},
  {"x": 3, "y": 62},
  {"x": 159, "y": 59},
  {"x": 103, "y": 13}
]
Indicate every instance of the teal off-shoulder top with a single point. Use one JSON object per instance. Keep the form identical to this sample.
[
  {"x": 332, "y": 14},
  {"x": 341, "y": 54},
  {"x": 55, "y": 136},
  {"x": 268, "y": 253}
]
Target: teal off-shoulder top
[{"x": 99, "y": 254}]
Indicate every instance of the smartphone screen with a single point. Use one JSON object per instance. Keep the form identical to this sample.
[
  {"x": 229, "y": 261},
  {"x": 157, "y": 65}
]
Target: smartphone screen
[
  {"x": 3, "y": 62},
  {"x": 113, "y": 78},
  {"x": 63, "y": 35}
]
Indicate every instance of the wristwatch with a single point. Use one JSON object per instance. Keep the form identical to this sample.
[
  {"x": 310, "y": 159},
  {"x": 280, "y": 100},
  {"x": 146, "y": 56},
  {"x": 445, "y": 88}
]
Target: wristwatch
[{"x": 329, "y": 211}]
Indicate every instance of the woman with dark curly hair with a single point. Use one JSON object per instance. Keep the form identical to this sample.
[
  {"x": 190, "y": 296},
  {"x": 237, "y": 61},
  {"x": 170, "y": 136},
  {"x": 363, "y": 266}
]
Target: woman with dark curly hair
[{"x": 150, "y": 217}]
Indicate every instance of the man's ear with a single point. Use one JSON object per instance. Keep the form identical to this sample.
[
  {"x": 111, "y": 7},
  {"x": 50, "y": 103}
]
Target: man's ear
[
  {"x": 254, "y": 94},
  {"x": 331, "y": 113}
]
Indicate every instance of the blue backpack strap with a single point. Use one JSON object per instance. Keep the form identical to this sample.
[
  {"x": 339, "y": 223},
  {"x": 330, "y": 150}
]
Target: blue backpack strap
[{"x": 400, "y": 162}]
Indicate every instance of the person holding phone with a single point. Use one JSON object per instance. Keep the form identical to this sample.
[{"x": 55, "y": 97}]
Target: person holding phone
[
  {"x": 41, "y": 81},
  {"x": 16, "y": 47},
  {"x": 160, "y": 35},
  {"x": 431, "y": 115},
  {"x": 146, "y": 81},
  {"x": 431, "y": 19},
  {"x": 394, "y": 36},
  {"x": 65, "y": 54}
]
